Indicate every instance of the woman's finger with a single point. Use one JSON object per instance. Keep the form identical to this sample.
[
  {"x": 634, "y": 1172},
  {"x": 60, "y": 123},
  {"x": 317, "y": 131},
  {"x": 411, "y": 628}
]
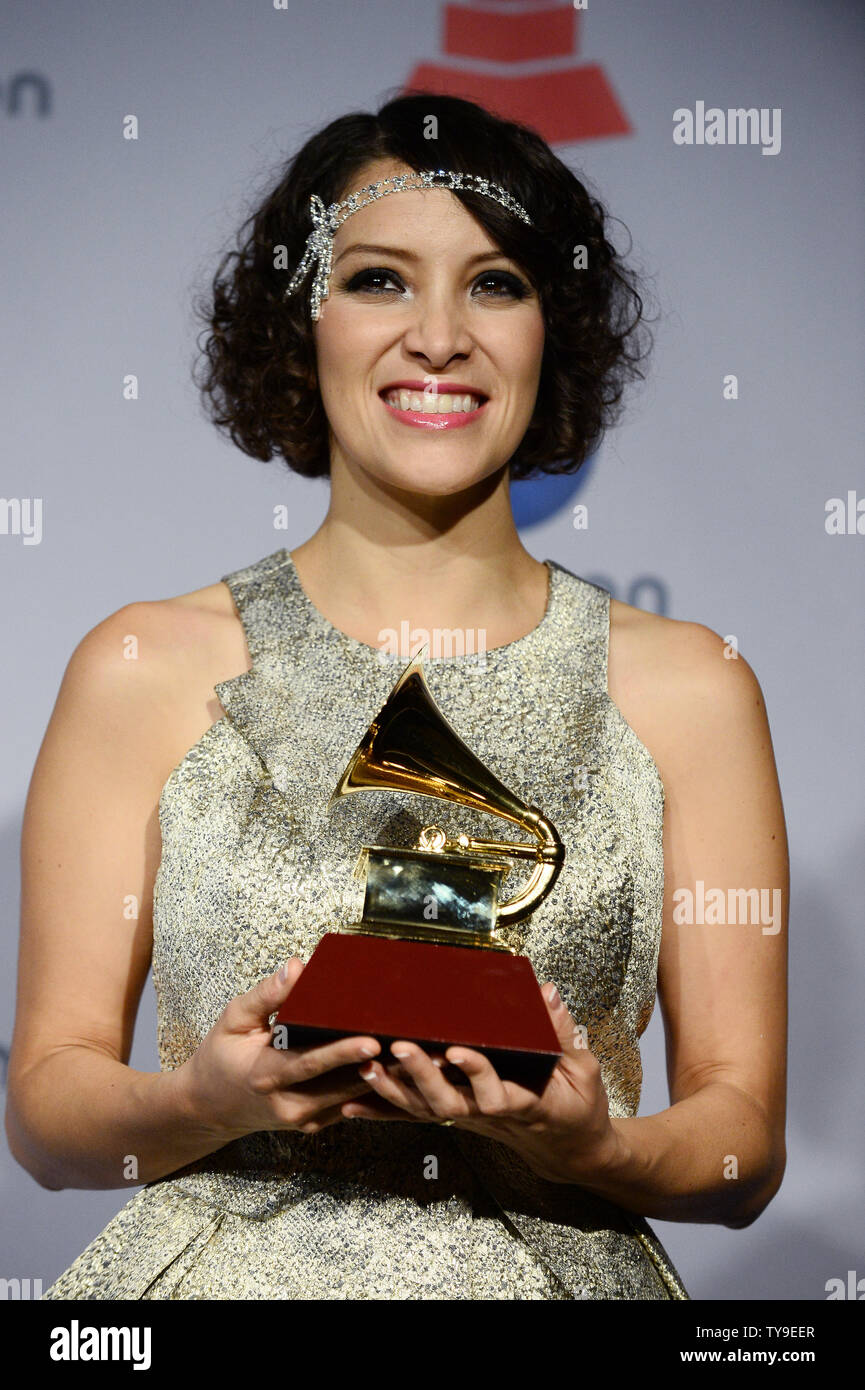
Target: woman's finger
[
  {"x": 489, "y": 1091},
  {"x": 346, "y": 1087},
  {"x": 306, "y": 1063},
  {"x": 400, "y": 1093},
  {"x": 441, "y": 1098}
]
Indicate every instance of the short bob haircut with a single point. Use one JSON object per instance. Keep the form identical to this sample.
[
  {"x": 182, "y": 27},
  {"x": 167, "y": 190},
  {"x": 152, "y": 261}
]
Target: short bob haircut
[{"x": 257, "y": 370}]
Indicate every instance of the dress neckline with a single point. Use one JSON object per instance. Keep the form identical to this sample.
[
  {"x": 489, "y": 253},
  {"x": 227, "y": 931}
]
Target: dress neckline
[{"x": 334, "y": 633}]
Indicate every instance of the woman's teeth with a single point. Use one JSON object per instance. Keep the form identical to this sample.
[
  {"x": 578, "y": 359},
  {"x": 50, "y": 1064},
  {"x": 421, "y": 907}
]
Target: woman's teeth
[{"x": 431, "y": 403}]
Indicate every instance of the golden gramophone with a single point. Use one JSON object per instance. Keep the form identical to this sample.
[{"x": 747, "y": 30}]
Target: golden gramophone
[{"x": 426, "y": 963}]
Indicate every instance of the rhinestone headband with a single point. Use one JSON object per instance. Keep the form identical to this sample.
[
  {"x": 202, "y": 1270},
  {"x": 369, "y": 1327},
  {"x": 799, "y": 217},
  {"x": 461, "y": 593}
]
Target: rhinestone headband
[{"x": 325, "y": 221}]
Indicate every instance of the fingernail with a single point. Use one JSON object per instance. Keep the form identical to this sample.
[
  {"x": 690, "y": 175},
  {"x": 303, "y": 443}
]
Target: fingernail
[
  {"x": 457, "y": 1058},
  {"x": 554, "y": 999},
  {"x": 367, "y": 1052},
  {"x": 283, "y": 973},
  {"x": 368, "y": 1072},
  {"x": 400, "y": 1052}
]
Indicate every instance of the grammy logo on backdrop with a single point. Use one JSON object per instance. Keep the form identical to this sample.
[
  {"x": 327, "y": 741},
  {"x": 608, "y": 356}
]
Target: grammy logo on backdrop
[{"x": 426, "y": 962}]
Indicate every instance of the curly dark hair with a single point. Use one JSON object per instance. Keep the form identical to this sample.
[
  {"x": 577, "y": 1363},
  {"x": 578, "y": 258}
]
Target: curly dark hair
[{"x": 257, "y": 372}]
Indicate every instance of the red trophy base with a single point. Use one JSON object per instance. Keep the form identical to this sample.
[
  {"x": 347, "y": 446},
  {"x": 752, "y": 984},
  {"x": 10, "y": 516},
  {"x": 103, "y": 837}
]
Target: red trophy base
[{"x": 436, "y": 996}]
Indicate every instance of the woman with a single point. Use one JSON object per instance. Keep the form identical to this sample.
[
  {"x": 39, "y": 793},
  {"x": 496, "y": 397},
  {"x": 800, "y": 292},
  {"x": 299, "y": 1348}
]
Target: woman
[{"x": 422, "y": 341}]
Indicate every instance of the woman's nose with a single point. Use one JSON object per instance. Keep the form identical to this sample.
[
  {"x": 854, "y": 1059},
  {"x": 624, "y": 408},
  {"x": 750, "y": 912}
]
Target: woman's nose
[{"x": 438, "y": 331}]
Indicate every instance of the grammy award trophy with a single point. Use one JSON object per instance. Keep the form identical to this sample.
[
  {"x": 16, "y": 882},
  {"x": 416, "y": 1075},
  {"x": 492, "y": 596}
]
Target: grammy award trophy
[{"x": 426, "y": 962}]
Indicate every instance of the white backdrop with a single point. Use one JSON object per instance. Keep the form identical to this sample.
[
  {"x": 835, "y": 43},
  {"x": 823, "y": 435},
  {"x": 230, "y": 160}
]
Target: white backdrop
[{"x": 757, "y": 265}]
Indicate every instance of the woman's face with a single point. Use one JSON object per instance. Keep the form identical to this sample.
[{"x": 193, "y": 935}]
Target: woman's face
[{"x": 429, "y": 344}]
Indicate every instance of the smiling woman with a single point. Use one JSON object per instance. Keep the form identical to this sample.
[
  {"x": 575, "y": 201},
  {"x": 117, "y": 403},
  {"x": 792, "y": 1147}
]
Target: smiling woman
[
  {"x": 519, "y": 259},
  {"x": 407, "y": 318},
  {"x": 420, "y": 272}
]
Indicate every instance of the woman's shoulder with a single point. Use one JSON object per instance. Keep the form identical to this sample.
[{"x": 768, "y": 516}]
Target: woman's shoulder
[
  {"x": 157, "y": 640},
  {"x": 680, "y": 684},
  {"x": 667, "y": 649},
  {"x": 671, "y": 655},
  {"x": 147, "y": 671}
]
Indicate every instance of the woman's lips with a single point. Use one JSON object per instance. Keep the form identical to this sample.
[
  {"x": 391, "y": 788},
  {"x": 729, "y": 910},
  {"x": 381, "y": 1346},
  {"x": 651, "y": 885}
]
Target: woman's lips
[{"x": 433, "y": 420}]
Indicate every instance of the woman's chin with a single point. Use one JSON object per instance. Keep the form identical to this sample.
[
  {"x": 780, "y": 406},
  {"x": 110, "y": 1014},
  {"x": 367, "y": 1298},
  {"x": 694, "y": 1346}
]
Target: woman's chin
[{"x": 428, "y": 479}]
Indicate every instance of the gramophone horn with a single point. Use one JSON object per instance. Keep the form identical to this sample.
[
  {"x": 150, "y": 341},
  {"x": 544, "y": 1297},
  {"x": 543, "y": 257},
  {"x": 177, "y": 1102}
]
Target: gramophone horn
[{"x": 411, "y": 747}]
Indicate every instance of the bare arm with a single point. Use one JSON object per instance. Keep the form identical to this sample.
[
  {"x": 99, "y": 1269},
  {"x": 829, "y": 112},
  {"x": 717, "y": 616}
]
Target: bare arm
[
  {"x": 77, "y": 1114},
  {"x": 717, "y": 1154},
  {"x": 90, "y": 849}
]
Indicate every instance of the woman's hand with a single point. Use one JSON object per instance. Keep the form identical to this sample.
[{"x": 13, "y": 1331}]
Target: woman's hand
[
  {"x": 237, "y": 1082},
  {"x": 563, "y": 1134}
]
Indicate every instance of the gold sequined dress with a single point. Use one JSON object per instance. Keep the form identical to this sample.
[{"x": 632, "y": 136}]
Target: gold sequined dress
[{"x": 254, "y": 870}]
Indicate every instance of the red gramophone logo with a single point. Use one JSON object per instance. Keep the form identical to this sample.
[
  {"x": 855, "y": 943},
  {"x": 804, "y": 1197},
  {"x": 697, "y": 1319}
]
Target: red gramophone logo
[{"x": 523, "y": 46}]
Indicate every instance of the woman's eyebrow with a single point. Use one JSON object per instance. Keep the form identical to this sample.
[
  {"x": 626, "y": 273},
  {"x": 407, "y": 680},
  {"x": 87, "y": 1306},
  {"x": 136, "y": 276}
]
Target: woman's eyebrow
[{"x": 396, "y": 251}]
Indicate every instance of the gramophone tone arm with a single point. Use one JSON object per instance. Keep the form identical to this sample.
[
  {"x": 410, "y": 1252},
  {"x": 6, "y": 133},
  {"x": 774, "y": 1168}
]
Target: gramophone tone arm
[{"x": 542, "y": 853}]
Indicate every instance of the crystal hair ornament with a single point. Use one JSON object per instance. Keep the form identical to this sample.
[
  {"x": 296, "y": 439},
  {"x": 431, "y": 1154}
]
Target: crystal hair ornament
[{"x": 326, "y": 221}]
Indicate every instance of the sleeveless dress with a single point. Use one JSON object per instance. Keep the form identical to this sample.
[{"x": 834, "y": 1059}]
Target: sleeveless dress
[{"x": 254, "y": 870}]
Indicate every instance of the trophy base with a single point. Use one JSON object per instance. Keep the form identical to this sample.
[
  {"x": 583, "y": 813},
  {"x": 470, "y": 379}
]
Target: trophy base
[{"x": 436, "y": 996}]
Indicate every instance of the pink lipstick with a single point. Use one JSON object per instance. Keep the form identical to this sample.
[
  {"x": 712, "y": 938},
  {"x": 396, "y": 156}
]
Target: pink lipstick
[{"x": 426, "y": 419}]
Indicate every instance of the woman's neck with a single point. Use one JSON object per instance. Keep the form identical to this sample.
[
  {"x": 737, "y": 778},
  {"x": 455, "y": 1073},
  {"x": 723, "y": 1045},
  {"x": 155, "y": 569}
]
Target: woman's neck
[{"x": 365, "y": 586}]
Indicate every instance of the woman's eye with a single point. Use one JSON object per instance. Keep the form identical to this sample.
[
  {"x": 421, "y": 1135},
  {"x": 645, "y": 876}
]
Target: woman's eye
[
  {"x": 375, "y": 280},
  {"x": 494, "y": 284},
  {"x": 499, "y": 284}
]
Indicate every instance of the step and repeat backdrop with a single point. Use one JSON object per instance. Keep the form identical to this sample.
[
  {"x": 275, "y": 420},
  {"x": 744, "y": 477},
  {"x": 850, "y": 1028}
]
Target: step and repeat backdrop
[{"x": 728, "y": 140}]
